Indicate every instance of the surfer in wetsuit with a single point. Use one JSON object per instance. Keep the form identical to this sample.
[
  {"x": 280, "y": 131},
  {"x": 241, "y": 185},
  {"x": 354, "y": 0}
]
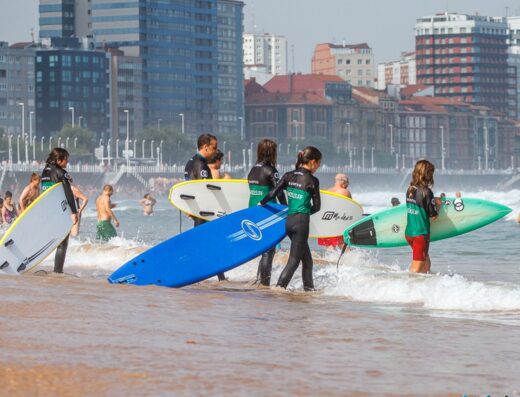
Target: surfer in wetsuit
[
  {"x": 262, "y": 178},
  {"x": 197, "y": 168},
  {"x": 54, "y": 172},
  {"x": 421, "y": 207},
  {"x": 303, "y": 192}
]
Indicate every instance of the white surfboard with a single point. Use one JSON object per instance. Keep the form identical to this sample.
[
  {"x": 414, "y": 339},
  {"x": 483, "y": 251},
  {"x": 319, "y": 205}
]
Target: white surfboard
[
  {"x": 36, "y": 232},
  {"x": 210, "y": 199}
]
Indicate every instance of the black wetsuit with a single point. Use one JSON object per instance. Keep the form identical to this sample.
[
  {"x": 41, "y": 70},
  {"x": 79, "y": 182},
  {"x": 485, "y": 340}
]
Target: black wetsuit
[
  {"x": 262, "y": 179},
  {"x": 303, "y": 192},
  {"x": 52, "y": 174},
  {"x": 197, "y": 168}
]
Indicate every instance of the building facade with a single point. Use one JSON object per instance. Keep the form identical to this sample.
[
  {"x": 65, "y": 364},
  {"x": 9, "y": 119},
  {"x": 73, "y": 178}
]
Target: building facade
[
  {"x": 72, "y": 87},
  {"x": 266, "y": 50},
  {"x": 401, "y": 72},
  {"x": 354, "y": 63},
  {"x": 17, "y": 92},
  {"x": 513, "y": 60},
  {"x": 64, "y": 18},
  {"x": 465, "y": 58}
]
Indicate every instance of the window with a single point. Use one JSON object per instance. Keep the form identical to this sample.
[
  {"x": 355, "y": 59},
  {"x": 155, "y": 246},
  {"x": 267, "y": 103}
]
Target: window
[
  {"x": 359, "y": 61},
  {"x": 340, "y": 61}
]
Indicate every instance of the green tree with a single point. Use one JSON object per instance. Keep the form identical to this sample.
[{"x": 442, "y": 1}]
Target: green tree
[
  {"x": 177, "y": 148},
  {"x": 81, "y": 140}
]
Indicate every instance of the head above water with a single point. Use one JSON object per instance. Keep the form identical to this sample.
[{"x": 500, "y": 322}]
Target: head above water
[
  {"x": 342, "y": 180},
  {"x": 58, "y": 156},
  {"x": 422, "y": 174},
  {"x": 309, "y": 157},
  {"x": 35, "y": 178},
  {"x": 266, "y": 152},
  {"x": 207, "y": 145},
  {"x": 395, "y": 202},
  {"x": 108, "y": 189}
]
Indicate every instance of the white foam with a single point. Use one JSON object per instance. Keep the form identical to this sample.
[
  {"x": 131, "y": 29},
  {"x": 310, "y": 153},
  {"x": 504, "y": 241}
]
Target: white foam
[{"x": 361, "y": 277}]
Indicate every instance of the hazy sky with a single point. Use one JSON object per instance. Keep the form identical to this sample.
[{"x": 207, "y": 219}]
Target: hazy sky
[{"x": 386, "y": 25}]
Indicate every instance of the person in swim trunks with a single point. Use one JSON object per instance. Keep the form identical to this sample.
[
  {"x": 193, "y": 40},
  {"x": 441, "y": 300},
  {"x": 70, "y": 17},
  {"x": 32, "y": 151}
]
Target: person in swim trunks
[
  {"x": 422, "y": 208},
  {"x": 104, "y": 228}
]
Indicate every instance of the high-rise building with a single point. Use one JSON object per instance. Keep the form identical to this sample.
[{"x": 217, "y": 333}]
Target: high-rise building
[
  {"x": 465, "y": 57},
  {"x": 354, "y": 63},
  {"x": 265, "y": 50},
  {"x": 513, "y": 59},
  {"x": 71, "y": 82},
  {"x": 64, "y": 18},
  {"x": 17, "y": 87},
  {"x": 401, "y": 72},
  {"x": 230, "y": 92}
]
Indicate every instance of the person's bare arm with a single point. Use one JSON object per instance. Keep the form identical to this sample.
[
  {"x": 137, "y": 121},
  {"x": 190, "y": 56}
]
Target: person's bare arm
[
  {"x": 108, "y": 208},
  {"x": 84, "y": 199},
  {"x": 24, "y": 194}
]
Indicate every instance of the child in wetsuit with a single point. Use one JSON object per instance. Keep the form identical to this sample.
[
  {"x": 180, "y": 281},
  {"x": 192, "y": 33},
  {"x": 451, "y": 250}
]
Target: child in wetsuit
[
  {"x": 262, "y": 178},
  {"x": 303, "y": 192},
  {"x": 421, "y": 207}
]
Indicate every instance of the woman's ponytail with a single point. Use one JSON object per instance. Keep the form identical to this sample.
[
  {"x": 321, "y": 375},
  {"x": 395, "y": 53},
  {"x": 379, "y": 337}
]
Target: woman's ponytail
[{"x": 306, "y": 155}]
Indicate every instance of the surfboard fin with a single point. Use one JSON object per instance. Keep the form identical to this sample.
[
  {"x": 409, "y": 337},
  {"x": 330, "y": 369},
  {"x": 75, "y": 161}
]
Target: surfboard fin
[
  {"x": 187, "y": 197},
  {"x": 213, "y": 187},
  {"x": 4, "y": 265},
  {"x": 206, "y": 213},
  {"x": 9, "y": 242},
  {"x": 345, "y": 245}
]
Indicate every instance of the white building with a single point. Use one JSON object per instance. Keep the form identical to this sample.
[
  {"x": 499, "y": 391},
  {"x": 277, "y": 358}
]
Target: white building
[
  {"x": 265, "y": 50},
  {"x": 513, "y": 57},
  {"x": 401, "y": 72}
]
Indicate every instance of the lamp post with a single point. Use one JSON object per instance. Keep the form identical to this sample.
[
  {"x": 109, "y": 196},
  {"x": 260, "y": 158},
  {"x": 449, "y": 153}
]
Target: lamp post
[
  {"x": 391, "y": 138},
  {"x": 142, "y": 148},
  {"x": 26, "y": 141},
  {"x": 241, "y": 127},
  {"x": 158, "y": 122},
  {"x": 348, "y": 139},
  {"x": 151, "y": 149},
  {"x": 79, "y": 121},
  {"x": 9, "y": 138},
  {"x": 128, "y": 136},
  {"x": 18, "y": 149},
  {"x": 71, "y": 108},
  {"x": 23, "y": 117},
  {"x": 41, "y": 144},
  {"x": 30, "y": 126},
  {"x": 50, "y": 143},
  {"x": 182, "y": 122},
  {"x": 59, "y": 141},
  {"x": 109, "y": 149},
  {"x": 76, "y": 143},
  {"x": 117, "y": 149},
  {"x": 486, "y": 147},
  {"x": 67, "y": 142},
  {"x": 372, "y": 157},
  {"x": 160, "y": 151},
  {"x": 34, "y": 147},
  {"x": 442, "y": 146},
  {"x": 288, "y": 148},
  {"x": 135, "y": 152}
]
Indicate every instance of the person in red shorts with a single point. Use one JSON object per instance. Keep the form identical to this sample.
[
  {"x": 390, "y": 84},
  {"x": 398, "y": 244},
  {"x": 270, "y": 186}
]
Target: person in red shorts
[
  {"x": 422, "y": 207},
  {"x": 341, "y": 183}
]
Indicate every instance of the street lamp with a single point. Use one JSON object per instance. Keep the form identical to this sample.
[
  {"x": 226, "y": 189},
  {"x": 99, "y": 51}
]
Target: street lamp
[
  {"x": 18, "y": 149},
  {"x": 442, "y": 146},
  {"x": 9, "y": 138},
  {"x": 348, "y": 136},
  {"x": 59, "y": 141},
  {"x": 34, "y": 148},
  {"x": 182, "y": 121},
  {"x": 142, "y": 148},
  {"x": 26, "y": 141},
  {"x": 486, "y": 147},
  {"x": 158, "y": 122},
  {"x": 23, "y": 117},
  {"x": 117, "y": 148},
  {"x": 41, "y": 144},
  {"x": 241, "y": 127},
  {"x": 50, "y": 143},
  {"x": 76, "y": 143},
  {"x": 160, "y": 146},
  {"x": 67, "y": 142},
  {"x": 372, "y": 158},
  {"x": 127, "y": 136},
  {"x": 109, "y": 154},
  {"x": 151, "y": 149},
  {"x": 71, "y": 108},
  {"x": 79, "y": 121},
  {"x": 135, "y": 152},
  {"x": 30, "y": 126},
  {"x": 391, "y": 138}
]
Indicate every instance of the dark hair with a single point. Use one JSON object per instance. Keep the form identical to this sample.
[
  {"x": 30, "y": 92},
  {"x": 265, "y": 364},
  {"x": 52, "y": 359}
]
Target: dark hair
[
  {"x": 266, "y": 152},
  {"x": 34, "y": 176},
  {"x": 108, "y": 188},
  {"x": 308, "y": 154},
  {"x": 395, "y": 201},
  {"x": 57, "y": 154},
  {"x": 205, "y": 139},
  {"x": 218, "y": 156},
  {"x": 8, "y": 194}
]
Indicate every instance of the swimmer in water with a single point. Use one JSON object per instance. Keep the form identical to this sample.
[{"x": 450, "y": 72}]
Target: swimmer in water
[{"x": 147, "y": 202}]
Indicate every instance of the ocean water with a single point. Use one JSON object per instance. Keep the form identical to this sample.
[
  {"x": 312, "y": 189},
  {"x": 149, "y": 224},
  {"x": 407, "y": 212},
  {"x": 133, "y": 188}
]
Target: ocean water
[{"x": 370, "y": 329}]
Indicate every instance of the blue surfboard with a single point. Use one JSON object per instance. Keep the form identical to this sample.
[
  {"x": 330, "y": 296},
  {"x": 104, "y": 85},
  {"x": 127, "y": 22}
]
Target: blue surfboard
[{"x": 207, "y": 250}]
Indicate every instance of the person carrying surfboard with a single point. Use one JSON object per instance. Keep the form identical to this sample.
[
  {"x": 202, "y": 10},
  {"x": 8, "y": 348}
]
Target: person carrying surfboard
[
  {"x": 303, "y": 192},
  {"x": 422, "y": 207},
  {"x": 54, "y": 172},
  {"x": 197, "y": 168},
  {"x": 262, "y": 178}
]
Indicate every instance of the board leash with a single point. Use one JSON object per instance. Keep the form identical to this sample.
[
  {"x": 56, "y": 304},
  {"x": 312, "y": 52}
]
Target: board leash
[{"x": 345, "y": 245}]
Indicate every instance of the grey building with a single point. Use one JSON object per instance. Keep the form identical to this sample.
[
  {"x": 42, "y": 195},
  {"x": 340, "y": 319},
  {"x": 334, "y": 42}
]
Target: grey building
[
  {"x": 17, "y": 87},
  {"x": 64, "y": 18},
  {"x": 230, "y": 90}
]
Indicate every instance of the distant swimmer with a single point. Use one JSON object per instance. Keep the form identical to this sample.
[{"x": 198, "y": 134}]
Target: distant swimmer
[
  {"x": 303, "y": 191},
  {"x": 30, "y": 192},
  {"x": 197, "y": 168},
  {"x": 81, "y": 203},
  {"x": 147, "y": 202},
  {"x": 104, "y": 228},
  {"x": 341, "y": 183},
  {"x": 422, "y": 208},
  {"x": 53, "y": 173},
  {"x": 395, "y": 202},
  {"x": 9, "y": 210}
]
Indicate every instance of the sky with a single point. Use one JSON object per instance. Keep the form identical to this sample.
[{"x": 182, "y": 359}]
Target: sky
[{"x": 386, "y": 25}]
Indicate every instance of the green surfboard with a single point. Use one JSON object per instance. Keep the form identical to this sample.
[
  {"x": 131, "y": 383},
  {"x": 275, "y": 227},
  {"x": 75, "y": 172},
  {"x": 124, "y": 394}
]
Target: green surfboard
[{"x": 456, "y": 216}]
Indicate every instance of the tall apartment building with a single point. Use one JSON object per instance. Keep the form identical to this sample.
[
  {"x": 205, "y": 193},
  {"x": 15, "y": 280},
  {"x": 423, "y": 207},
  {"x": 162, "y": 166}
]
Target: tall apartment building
[
  {"x": 266, "y": 50},
  {"x": 401, "y": 72},
  {"x": 354, "y": 63},
  {"x": 514, "y": 58},
  {"x": 230, "y": 92},
  {"x": 17, "y": 87},
  {"x": 465, "y": 57},
  {"x": 64, "y": 18},
  {"x": 71, "y": 82}
]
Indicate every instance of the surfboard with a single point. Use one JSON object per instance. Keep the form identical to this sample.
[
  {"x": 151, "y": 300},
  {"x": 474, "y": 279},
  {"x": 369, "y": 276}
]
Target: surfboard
[
  {"x": 456, "y": 216},
  {"x": 206, "y": 250},
  {"x": 215, "y": 198},
  {"x": 36, "y": 232}
]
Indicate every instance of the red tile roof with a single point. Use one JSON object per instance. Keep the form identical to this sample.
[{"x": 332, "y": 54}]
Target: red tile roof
[
  {"x": 277, "y": 98},
  {"x": 410, "y": 90},
  {"x": 300, "y": 82}
]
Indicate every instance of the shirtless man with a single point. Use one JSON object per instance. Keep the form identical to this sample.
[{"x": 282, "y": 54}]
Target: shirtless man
[
  {"x": 30, "y": 192},
  {"x": 104, "y": 228},
  {"x": 147, "y": 202},
  {"x": 341, "y": 183}
]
